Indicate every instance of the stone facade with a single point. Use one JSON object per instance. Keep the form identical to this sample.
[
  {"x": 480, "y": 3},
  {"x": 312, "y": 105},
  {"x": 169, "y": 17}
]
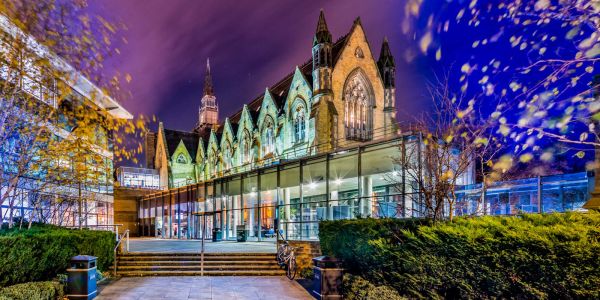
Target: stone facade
[{"x": 339, "y": 98}]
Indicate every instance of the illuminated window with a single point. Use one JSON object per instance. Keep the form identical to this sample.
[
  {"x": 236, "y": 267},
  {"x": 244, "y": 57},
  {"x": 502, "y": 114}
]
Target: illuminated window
[
  {"x": 268, "y": 136},
  {"x": 358, "y": 107},
  {"x": 299, "y": 116}
]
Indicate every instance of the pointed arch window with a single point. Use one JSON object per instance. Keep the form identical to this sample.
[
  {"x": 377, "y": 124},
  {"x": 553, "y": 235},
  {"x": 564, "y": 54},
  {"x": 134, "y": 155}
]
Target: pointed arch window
[
  {"x": 181, "y": 159},
  {"x": 269, "y": 136},
  {"x": 245, "y": 153},
  {"x": 227, "y": 156},
  {"x": 358, "y": 107},
  {"x": 299, "y": 122}
]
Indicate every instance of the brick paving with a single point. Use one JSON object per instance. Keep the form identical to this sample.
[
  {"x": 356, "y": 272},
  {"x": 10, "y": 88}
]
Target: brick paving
[
  {"x": 238, "y": 287},
  {"x": 193, "y": 246}
]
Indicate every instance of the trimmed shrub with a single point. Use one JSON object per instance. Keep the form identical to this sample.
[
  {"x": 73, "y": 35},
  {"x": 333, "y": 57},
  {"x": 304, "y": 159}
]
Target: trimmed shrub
[
  {"x": 44, "y": 251},
  {"x": 527, "y": 256},
  {"x": 43, "y": 290},
  {"x": 357, "y": 288}
]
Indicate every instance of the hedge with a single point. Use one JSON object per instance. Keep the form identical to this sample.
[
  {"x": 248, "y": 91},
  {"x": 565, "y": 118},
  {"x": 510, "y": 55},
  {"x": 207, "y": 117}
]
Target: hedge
[
  {"x": 43, "y": 290},
  {"x": 42, "y": 252},
  {"x": 527, "y": 256}
]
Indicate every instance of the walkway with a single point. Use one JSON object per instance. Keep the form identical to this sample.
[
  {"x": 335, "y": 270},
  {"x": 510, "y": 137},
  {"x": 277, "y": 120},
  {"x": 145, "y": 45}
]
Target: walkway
[
  {"x": 193, "y": 246},
  {"x": 239, "y": 287}
]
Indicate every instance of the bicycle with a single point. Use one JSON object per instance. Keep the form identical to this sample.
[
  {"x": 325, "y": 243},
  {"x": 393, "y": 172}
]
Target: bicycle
[{"x": 286, "y": 258}]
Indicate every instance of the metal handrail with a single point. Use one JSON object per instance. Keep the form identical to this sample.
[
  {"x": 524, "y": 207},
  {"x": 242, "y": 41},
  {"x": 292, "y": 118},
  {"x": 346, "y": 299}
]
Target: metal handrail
[{"x": 126, "y": 235}]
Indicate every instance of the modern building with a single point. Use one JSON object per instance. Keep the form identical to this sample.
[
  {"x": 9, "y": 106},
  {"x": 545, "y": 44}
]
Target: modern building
[{"x": 56, "y": 202}]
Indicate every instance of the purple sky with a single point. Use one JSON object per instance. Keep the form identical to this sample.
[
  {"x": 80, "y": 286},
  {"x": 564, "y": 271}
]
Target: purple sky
[{"x": 251, "y": 45}]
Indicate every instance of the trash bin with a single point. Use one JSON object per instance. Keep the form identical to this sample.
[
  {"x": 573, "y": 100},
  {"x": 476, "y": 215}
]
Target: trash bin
[
  {"x": 82, "y": 277},
  {"x": 217, "y": 234},
  {"x": 328, "y": 276},
  {"x": 242, "y": 233}
]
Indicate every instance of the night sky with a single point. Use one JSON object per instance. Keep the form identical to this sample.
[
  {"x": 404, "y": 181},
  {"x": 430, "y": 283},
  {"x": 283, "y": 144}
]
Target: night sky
[{"x": 251, "y": 45}]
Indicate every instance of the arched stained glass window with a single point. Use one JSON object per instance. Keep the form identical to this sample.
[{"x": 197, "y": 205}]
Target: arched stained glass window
[{"x": 358, "y": 107}]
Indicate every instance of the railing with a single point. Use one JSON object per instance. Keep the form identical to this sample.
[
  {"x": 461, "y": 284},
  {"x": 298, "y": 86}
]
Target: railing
[{"x": 119, "y": 240}]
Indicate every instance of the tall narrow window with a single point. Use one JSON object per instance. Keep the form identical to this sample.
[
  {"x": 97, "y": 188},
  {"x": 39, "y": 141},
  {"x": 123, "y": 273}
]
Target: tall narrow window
[
  {"x": 299, "y": 124},
  {"x": 268, "y": 136},
  {"x": 227, "y": 156},
  {"x": 358, "y": 107},
  {"x": 246, "y": 157}
]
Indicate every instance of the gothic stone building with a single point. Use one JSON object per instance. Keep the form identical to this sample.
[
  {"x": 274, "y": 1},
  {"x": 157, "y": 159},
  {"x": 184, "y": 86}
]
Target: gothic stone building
[{"x": 341, "y": 97}]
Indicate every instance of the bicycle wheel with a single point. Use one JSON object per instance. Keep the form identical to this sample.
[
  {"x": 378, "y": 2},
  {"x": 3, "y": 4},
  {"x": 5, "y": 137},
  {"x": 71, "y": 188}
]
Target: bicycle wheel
[{"x": 291, "y": 269}]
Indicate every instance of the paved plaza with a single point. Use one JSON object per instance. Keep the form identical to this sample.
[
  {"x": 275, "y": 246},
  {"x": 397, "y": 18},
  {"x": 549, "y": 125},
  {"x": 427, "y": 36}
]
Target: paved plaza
[
  {"x": 193, "y": 246},
  {"x": 239, "y": 287}
]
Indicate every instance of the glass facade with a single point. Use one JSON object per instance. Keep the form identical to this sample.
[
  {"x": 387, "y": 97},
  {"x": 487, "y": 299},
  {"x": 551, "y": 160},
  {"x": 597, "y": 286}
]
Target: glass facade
[
  {"x": 359, "y": 182},
  {"x": 138, "y": 178}
]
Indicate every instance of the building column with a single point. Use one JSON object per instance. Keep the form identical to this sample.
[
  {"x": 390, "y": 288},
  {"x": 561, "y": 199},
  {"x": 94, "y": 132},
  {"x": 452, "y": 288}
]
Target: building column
[
  {"x": 367, "y": 196},
  {"x": 286, "y": 203}
]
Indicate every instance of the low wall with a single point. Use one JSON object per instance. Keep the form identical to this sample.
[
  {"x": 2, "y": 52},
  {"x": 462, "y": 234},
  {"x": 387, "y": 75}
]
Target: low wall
[{"x": 306, "y": 252}]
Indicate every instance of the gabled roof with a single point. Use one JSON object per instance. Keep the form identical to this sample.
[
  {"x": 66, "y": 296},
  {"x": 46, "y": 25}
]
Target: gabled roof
[
  {"x": 280, "y": 89},
  {"x": 190, "y": 141}
]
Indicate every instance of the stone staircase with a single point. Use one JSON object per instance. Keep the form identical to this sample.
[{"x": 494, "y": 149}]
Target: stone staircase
[{"x": 182, "y": 264}]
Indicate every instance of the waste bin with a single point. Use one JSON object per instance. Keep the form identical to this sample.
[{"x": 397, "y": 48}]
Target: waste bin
[
  {"x": 217, "y": 234},
  {"x": 328, "y": 276},
  {"x": 82, "y": 277},
  {"x": 242, "y": 233}
]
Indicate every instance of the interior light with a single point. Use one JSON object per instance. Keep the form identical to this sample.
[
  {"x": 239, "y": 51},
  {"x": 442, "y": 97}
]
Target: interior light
[
  {"x": 312, "y": 185},
  {"x": 338, "y": 181}
]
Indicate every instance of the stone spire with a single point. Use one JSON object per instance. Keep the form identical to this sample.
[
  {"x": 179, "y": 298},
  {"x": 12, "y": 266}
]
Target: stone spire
[
  {"x": 322, "y": 34},
  {"x": 386, "y": 64},
  {"x": 208, "y": 85}
]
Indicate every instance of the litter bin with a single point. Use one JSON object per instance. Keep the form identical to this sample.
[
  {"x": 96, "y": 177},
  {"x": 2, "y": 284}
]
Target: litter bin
[
  {"x": 82, "y": 277},
  {"x": 328, "y": 276},
  {"x": 242, "y": 233},
  {"x": 217, "y": 234}
]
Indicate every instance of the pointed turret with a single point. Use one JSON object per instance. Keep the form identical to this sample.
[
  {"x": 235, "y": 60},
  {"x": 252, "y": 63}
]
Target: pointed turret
[
  {"x": 386, "y": 64},
  {"x": 387, "y": 69},
  {"x": 322, "y": 92},
  {"x": 322, "y": 35},
  {"x": 208, "y": 85}
]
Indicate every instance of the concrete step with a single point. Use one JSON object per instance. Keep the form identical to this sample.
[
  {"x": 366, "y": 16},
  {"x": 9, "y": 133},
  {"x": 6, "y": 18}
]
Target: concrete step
[
  {"x": 198, "y": 268},
  {"x": 194, "y": 262},
  {"x": 206, "y": 273},
  {"x": 197, "y": 258},
  {"x": 197, "y": 254}
]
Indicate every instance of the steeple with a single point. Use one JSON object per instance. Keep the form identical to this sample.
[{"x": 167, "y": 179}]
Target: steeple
[
  {"x": 208, "y": 85},
  {"x": 386, "y": 64},
  {"x": 322, "y": 34},
  {"x": 208, "y": 114}
]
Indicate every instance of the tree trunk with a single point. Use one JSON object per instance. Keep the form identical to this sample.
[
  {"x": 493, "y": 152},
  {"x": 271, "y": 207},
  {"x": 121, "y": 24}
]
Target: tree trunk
[{"x": 80, "y": 207}]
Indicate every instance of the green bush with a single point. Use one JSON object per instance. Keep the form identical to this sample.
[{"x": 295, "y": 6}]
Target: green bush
[
  {"x": 42, "y": 252},
  {"x": 357, "y": 288},
  {"x": 43, "y": 290},
  {"x": 527, "y": 256}
]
